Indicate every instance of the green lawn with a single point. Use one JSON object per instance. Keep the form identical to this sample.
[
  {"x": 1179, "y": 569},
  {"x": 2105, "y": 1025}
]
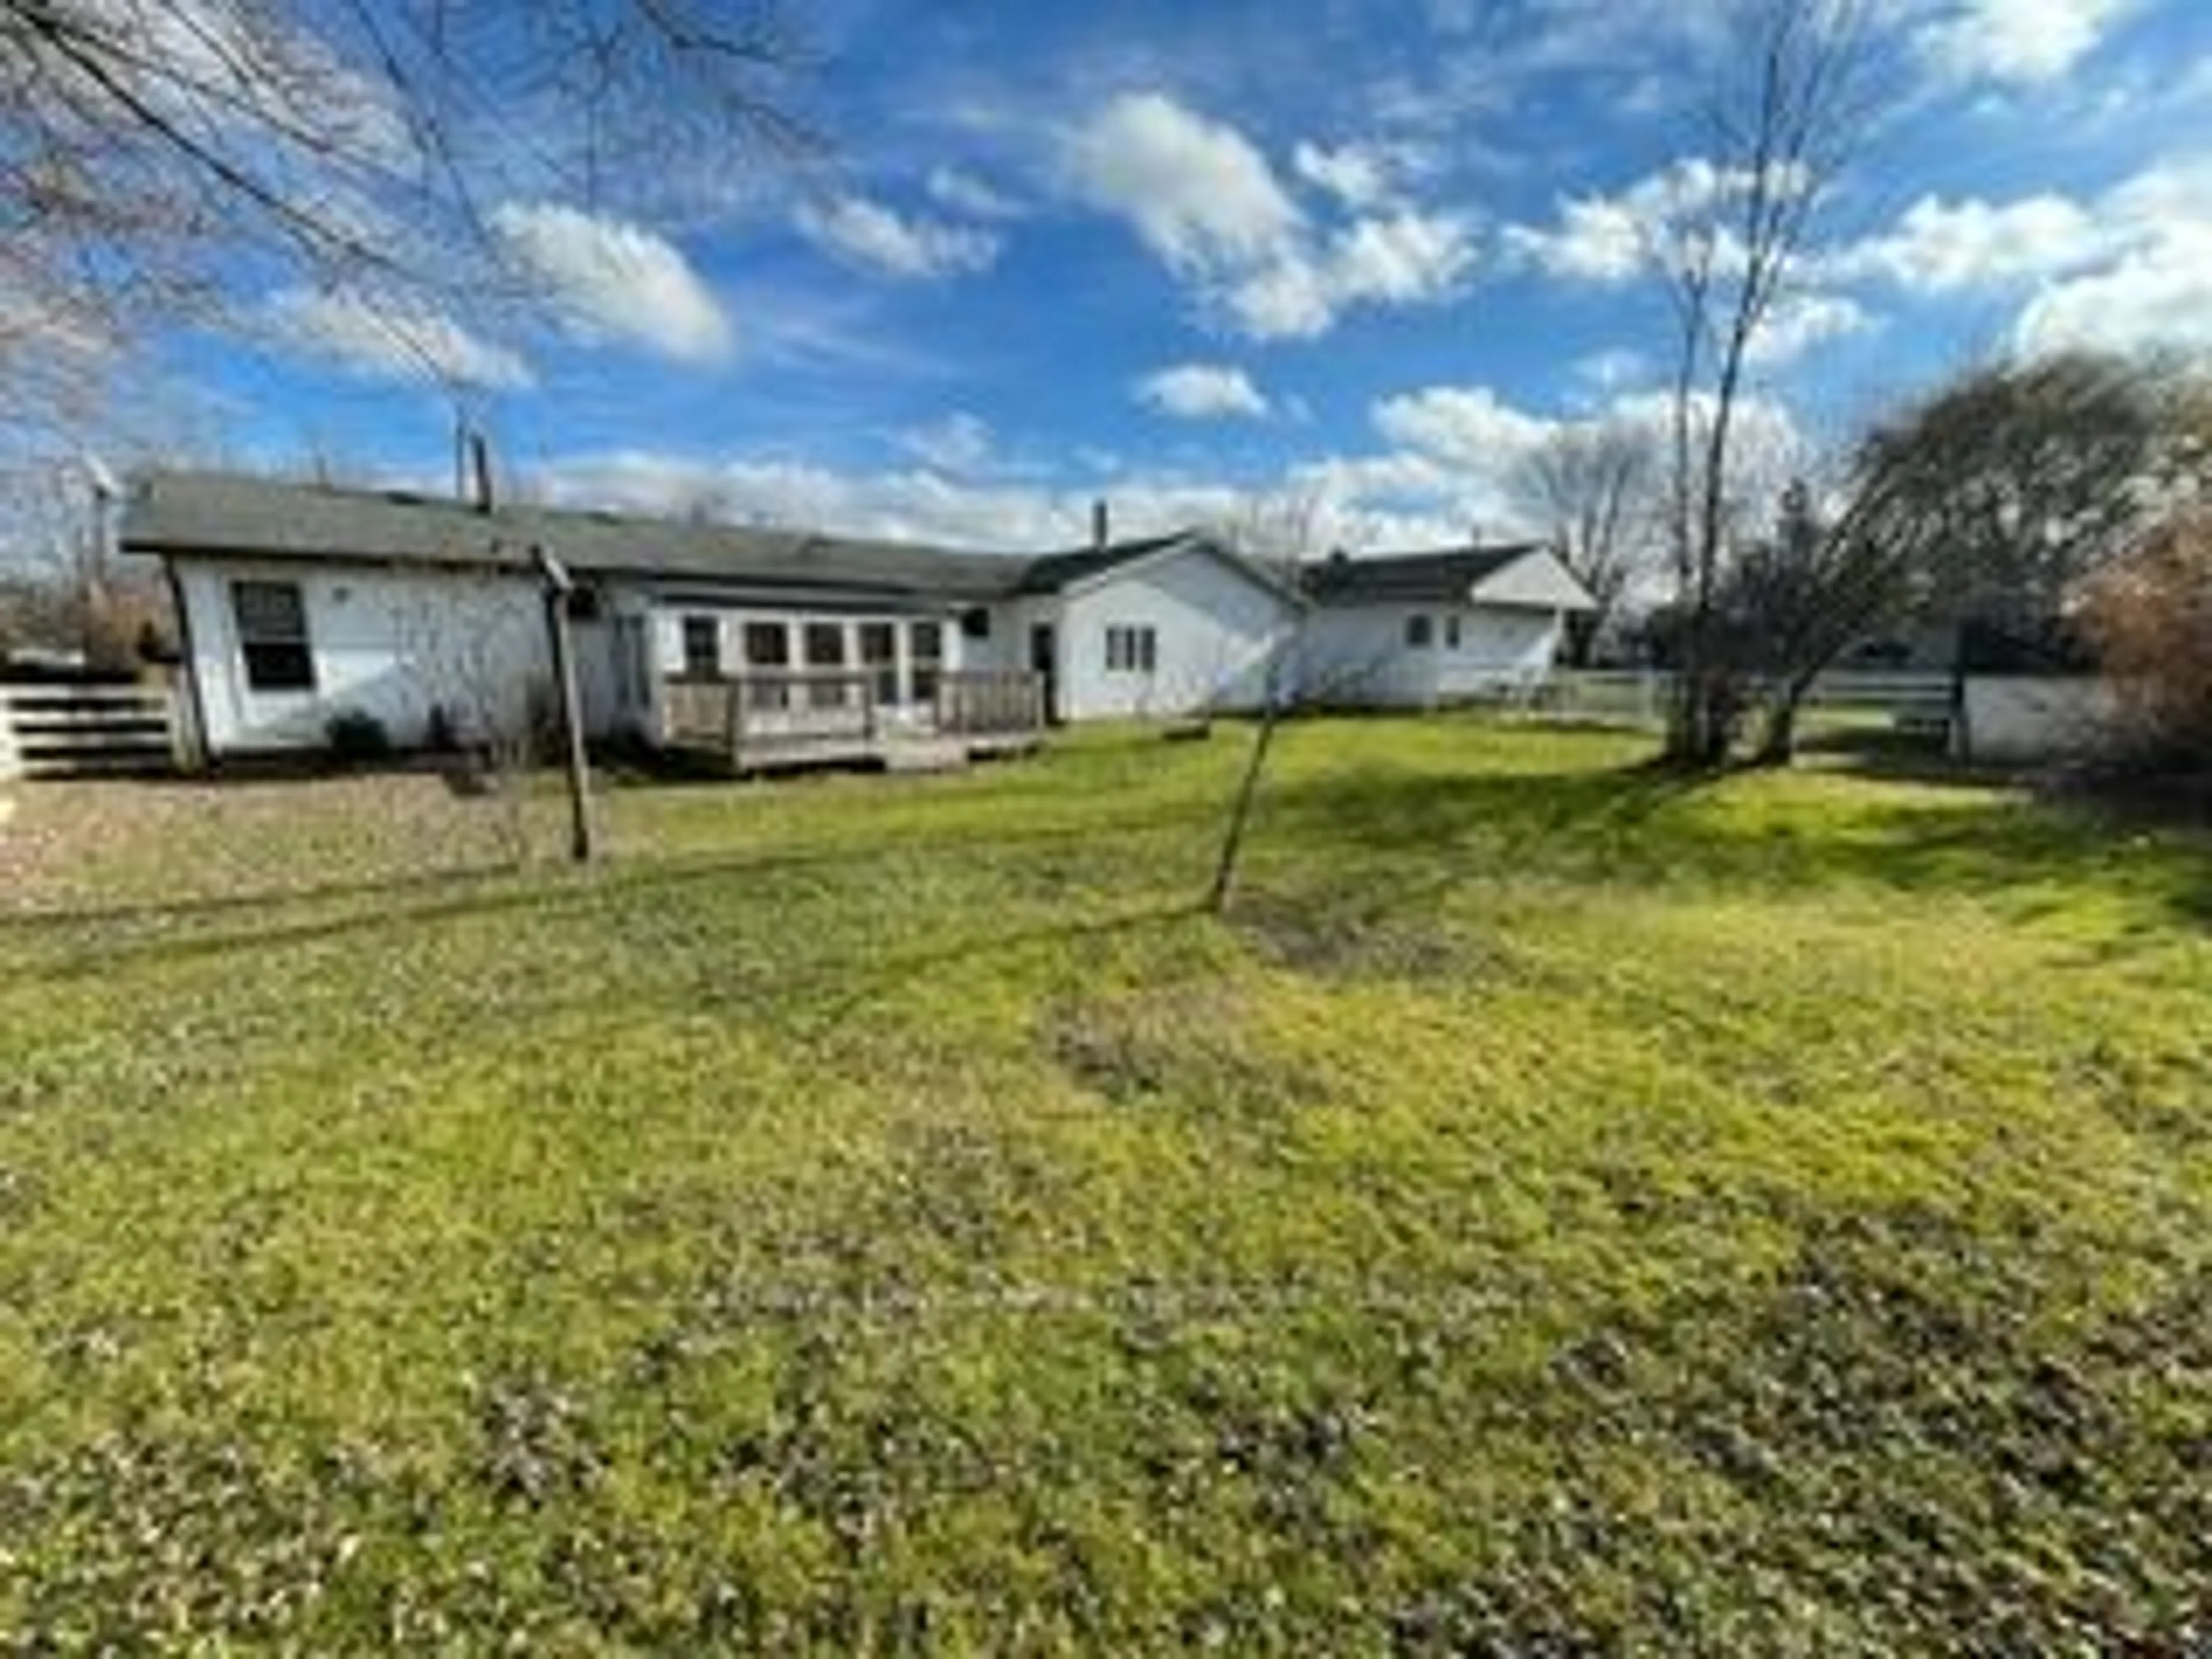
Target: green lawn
[{"x": 1564, "y": 1211}]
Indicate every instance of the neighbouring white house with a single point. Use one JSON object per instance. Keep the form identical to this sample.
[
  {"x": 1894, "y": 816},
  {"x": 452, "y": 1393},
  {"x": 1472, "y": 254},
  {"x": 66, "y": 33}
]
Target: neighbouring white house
[
  {"x": 1424, "y": 629},
  {"x": 299, "y": 604}
]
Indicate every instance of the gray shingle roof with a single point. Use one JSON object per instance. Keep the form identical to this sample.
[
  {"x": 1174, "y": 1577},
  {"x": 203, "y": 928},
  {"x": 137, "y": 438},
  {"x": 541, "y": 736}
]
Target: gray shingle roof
[
  {"x": 1442, "y": 577},
  {"x": 186, "y": 513},
  {"x": 1053, "y": 572}
]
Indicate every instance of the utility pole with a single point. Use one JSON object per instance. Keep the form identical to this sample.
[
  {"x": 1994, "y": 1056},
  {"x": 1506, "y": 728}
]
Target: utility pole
[{"x": 559, "y": 584}]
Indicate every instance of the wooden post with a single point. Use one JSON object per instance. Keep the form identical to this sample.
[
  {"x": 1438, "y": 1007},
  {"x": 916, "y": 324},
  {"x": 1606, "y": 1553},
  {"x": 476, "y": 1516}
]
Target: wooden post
[{"x": 558, "y": 586}]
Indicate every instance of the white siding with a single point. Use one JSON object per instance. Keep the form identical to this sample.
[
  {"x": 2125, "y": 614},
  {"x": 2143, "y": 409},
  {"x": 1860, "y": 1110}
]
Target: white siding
[
  {"x": 1213, "y": 623},
  {"x": 2006, "y": 719},
  {"x": 1358, "y": 654},
  {"x": 389, "y": 643}
]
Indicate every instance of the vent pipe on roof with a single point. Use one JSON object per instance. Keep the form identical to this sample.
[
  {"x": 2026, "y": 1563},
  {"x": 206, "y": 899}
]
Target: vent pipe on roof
[
  {"x": 480, "y": 459},
  {"x": 1101, "y": 526}
]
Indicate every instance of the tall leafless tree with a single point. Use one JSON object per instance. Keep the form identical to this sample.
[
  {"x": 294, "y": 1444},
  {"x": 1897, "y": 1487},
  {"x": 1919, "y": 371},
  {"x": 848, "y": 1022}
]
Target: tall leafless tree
[
  {"x": 1591, "y": 486},
  {"x": 1730, "y": 243}
]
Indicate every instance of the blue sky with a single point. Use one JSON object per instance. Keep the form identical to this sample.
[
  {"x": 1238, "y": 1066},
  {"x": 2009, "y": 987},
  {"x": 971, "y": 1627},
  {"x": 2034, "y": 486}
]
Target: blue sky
[{"x": 1182, "y": 256}]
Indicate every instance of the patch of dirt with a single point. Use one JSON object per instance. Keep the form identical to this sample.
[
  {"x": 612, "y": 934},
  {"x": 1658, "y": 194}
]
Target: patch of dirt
[
  {"x": 76, "y": 846},
  {"x": 1202, "y": 1046}
]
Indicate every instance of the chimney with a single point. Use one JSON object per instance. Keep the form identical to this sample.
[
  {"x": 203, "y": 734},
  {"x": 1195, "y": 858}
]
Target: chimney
[
  {"x": 1101, "y": 526},
  {"x": 480, "y": 458}
]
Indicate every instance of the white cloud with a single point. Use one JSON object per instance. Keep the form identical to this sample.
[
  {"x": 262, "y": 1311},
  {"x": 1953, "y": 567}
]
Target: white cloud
[
  {"x": 1608, "y": 239},
  {"x": 1467, "y": 427},
  {"x": 2155, "y": 289},
  {"x": 607, "y": 280},
  {"x": 1361, "y": 176},
  {"x": 388, "y": 338},
  {"x": 915, "y": 505},
  {"x": 2018, "y": 42},
  {"x": 1198, "y": 193},
  {"x": 2159, "y": 298},
  {"x": 1800, "y": 325},
  {"x": 1207, "y": 202},
  {"x": 871, "y": 235},
  {"x": 1203, "y": 391},
  {"x": 1598, "y": 239},
  {"x": 961, "y": 443},
  {"x": 2129, "y": 270},
  {"x": 1941, "y": 246},
  {"x": 963, "y": 192}
]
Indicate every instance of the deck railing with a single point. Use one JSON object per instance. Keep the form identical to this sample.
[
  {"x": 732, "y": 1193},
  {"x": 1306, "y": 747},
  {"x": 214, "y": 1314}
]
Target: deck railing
[
  {"x": 763, "y": 713},
  {"x": 989, "y": 701}
]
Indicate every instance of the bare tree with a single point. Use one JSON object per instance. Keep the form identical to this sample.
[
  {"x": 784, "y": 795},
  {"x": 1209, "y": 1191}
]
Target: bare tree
[
  {"x": 159, "y": 157},
  {"x": 1591, "y": 486},
  {"x": 1997, "y": 494},
  {"x": 1729, "y": 246}
]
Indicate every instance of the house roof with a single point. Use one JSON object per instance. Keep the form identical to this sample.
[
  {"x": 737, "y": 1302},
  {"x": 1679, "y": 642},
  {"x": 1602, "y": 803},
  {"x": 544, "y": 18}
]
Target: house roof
[
  {"x": 204, "y": 513},
  {"x": 1449, "y": 576},
  {"x": 1054, "y": 573},
  {"x": 213, "y": 513}
]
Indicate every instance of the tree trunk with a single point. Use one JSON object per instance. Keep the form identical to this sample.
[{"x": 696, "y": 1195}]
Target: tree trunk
[{"x": 1777, "y": 744}]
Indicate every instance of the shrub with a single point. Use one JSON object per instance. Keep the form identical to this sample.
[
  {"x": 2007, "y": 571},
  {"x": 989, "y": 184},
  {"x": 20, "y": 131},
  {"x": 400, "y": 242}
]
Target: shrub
[
  {"x": 354, "y": 735},
  {"x": 2150, "y": 616}
]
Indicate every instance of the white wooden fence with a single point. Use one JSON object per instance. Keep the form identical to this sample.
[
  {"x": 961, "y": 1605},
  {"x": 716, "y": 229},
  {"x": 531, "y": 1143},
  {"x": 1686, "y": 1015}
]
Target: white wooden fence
[
  {"x": 49, "y": 731},
  {"x": 1641, "y": 696}
]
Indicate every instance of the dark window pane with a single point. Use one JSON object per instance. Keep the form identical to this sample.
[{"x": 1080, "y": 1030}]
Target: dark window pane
[
  {"x": 272, "y": 636},
  {"x": 280, "y": 666},
  {"x": 702, "y": 647},
  {"x": 825, "y": 645},
  {"x": 880, "y": 651},
  {"x": 767, "y": 645}
]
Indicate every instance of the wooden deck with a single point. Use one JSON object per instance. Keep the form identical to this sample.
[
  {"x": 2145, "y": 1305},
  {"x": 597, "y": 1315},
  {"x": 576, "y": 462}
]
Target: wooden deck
[{"x": 799, "y": 719}]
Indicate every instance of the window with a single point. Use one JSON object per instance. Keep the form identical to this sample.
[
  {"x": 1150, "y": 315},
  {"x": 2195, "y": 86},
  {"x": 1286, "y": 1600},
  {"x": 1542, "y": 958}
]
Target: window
[
  {"x": 1451, "y": 633},
  {"x": 1419, "y": 631},
  {"x": 925, "y": 646},
  {"x": 767, "y": 645},
  {"x": 879, "y": 656},
  {"x": 272, "y": 636},
  {"x": 1132, "y": 650},
  {"x": 703, "y": 649},
  {"x": 825, "y": 652},
  {"x": 976, "y": 624}
]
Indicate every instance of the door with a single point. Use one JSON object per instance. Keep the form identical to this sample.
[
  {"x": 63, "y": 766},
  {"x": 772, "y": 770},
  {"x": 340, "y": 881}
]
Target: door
[{"x": 1043, "y": 658}]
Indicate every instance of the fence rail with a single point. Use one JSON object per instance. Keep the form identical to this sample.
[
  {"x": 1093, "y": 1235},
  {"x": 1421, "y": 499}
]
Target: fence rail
[
  {"x": 63, "y": 730},
  {"x": 1643, "y": 695}
]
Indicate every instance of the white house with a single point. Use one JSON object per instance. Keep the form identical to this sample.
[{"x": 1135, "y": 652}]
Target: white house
[
  {"x": 1162, "y": 627},
  {"x": 1423, "y": 630},
  {"x": 299, "y": 604}
]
